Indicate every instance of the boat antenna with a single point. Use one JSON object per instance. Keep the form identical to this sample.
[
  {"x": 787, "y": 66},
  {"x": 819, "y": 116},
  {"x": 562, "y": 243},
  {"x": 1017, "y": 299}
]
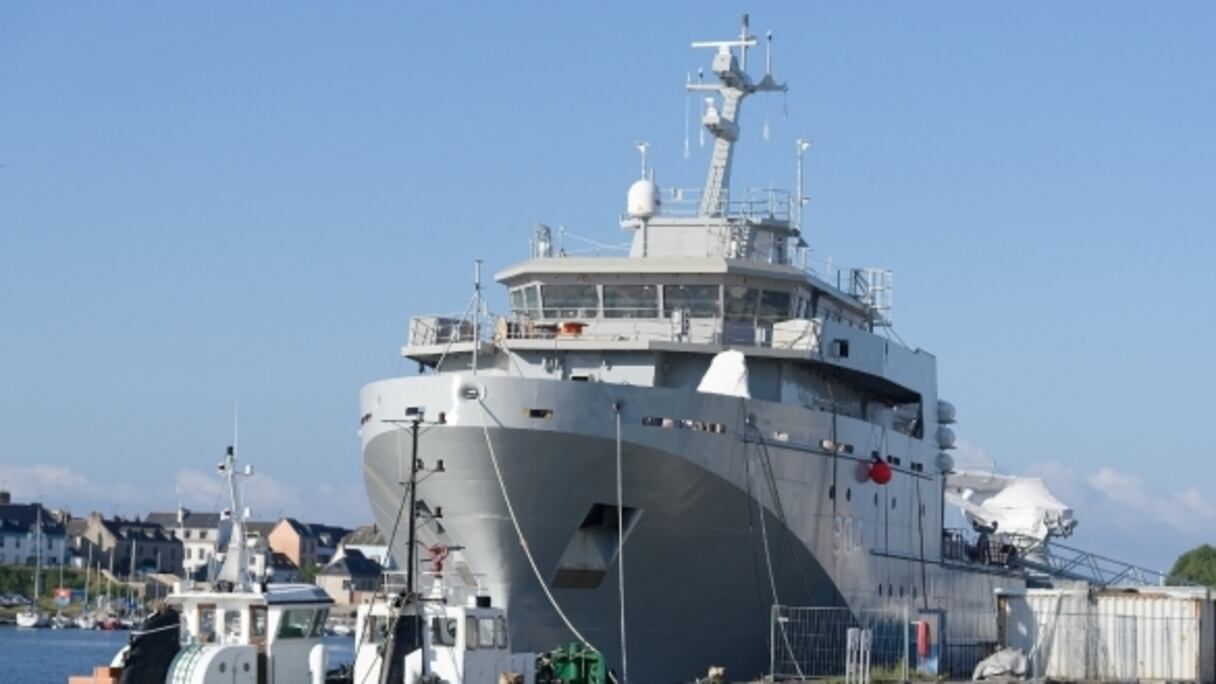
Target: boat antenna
[
  {"x": 801, "y": 145},
  {"x": 687, "y": 116},
  {"x": 723, "y": 123},
  {"x": 476, "y": 311},
  {"x": 235, "y": 570}
]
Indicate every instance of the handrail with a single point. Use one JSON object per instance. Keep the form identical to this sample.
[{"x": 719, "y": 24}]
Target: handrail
[{"x": 1051, "y": 559}]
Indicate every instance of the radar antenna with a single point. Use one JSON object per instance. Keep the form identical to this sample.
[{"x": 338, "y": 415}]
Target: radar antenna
[{"x": 723, "y": 122}]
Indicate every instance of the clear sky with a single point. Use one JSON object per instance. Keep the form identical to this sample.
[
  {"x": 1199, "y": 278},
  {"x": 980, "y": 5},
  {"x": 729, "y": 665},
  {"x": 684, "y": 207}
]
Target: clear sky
[{"x": 202, "y": 204}]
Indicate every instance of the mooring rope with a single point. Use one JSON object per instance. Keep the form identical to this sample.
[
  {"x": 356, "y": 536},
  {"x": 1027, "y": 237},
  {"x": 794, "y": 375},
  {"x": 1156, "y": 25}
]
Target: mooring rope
[
  {"x": 620, "y": 541},
  {"x": 523, "y": 542}
]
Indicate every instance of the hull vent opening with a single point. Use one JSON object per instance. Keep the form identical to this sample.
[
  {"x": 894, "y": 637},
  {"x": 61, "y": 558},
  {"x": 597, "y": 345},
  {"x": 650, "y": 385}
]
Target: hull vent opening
[{"x": 593, "y": 547}]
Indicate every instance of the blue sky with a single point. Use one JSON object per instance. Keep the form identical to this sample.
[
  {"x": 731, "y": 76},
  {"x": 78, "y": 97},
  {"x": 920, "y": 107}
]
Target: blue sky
[{"x": 199, "y": 205}]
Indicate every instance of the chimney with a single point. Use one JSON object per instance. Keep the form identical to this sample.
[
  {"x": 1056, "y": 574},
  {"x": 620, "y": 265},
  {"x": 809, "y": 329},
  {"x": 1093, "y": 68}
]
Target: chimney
[{"x": 5, "y": 498}]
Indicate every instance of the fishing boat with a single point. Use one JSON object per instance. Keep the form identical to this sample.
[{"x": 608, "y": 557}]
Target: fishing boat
[{"x": 235, "y": 628}]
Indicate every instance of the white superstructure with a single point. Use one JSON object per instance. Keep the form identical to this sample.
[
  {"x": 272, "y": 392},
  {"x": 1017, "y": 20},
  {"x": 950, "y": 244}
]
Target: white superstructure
[{"x": 807, "y": 468}]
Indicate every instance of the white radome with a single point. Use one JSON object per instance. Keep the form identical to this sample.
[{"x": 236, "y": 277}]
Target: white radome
[{"x": 643, "y": 199}]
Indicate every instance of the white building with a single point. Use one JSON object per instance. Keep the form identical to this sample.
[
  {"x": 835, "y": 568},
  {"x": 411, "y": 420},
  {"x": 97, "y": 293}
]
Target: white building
[
  {"x": 20, "y": 539},
  {"x": 198, "y": 533}
]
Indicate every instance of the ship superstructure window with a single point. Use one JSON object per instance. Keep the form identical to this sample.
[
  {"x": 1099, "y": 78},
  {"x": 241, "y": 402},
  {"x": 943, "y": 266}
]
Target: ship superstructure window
[
  {"x": 443, "y": 631},
  {"x": 525, "y": 300},
  {"x": 700, "y": 301},
  {"x": 631, "y": 301},
  {"x": 740, "y": 301},
  {"x": 774, "y": 305},
  {"x": 570, "y": 301}
]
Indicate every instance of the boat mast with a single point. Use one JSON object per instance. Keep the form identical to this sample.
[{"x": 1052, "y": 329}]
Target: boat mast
[
  {"x": 723, "y": 123},
  {"x": 87, "y": 567},
  {"x": 236, "y": 560},
  {"x": 37, "y": 555}
]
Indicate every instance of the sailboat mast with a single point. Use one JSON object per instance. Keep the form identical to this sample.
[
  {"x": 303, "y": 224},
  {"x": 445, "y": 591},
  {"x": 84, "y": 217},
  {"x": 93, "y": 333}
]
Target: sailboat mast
[
  {"x": 88, "y": 565},
  {"x": 37, "y": 555}
]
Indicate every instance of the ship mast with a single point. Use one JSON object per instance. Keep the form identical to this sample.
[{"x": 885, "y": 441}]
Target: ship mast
[{"x": 722, "y": 123}]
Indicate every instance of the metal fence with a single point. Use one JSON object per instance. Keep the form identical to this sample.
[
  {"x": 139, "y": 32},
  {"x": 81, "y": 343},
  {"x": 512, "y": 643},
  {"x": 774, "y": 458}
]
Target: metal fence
[
  {"x": 862, "y": 646},
  {"x": 834, "y": 643}
]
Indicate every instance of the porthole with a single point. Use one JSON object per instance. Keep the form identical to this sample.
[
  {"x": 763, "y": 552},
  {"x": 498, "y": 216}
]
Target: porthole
[
  {"x": 848, "y": 494},
  {"x": 892, "y": 503},
  {"x": 875, "y": 499},
  {"x": 901, "y": 591},
  {"x": 832, "y": 492},
  {"x": 880, "y": 589}
]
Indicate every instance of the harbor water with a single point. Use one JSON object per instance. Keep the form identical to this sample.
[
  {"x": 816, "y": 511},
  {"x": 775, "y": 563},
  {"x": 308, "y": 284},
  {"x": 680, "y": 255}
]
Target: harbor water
[{"x": 50, "y": 656}]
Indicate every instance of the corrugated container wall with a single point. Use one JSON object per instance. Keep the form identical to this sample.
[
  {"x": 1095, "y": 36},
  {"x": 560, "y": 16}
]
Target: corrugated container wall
[{"x": 1145, "y": 634}]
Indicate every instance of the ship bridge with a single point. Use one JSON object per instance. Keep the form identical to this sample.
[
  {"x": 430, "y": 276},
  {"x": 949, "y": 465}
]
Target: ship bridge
[{"x": 707, "y": 270}]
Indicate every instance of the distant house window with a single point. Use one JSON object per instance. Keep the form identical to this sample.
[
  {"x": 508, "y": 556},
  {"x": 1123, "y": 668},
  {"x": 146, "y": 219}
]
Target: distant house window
[
  {"x": 202, "y": 534},
  {"x": 186, "y": 534}
]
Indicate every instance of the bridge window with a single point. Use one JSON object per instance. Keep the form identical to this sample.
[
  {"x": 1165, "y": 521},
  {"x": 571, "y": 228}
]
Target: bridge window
[
  {"x": 699, "y": 301},
  {"x": 740, "y": 301},
  {"x": 774, "y": 305},
  {"x": 525, "y": 301},
  {"x": 631, "y": 301},
  {"x": 570, "y": 301}
]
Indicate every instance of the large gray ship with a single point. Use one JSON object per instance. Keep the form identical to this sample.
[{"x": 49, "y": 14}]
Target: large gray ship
[{"x": 697, "y": 431}]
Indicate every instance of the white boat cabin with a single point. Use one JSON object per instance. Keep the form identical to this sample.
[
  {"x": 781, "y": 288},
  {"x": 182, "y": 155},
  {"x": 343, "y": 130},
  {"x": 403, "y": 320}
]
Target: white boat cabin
[
  {"x": 266, "y": 636},
  {"x": 463, "y": 635}
]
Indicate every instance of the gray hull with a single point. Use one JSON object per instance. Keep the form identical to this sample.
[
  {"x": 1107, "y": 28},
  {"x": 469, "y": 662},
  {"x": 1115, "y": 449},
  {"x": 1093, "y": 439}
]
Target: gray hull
[{"x": 697, "y": 588}]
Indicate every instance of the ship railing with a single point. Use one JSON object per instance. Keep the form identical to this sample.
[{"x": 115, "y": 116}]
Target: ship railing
[
  {"x": 623, "y": 324},
  {"x": 441, "y": 329},
  {"x": 1047, "y": 558},
  {"x": 1055, "y": 559},
  {"x": 644, "y": 324},
  {"x": 752, "y": 203}
]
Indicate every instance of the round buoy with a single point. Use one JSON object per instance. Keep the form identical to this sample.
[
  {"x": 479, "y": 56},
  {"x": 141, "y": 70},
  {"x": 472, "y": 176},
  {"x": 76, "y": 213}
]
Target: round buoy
[{"x": 880, "y": 472}]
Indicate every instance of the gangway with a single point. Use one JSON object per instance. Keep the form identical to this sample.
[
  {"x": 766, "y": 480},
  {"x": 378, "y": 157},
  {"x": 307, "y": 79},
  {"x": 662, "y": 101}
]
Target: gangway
[{"x": 1048, "y": 560}]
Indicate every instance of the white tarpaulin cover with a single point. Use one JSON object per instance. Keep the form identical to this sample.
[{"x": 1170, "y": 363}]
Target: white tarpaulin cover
[
  {"x": 727, "y": 375},
  {"x": 1017, "y": 505},
  {"x": 1007, "y": 662}
]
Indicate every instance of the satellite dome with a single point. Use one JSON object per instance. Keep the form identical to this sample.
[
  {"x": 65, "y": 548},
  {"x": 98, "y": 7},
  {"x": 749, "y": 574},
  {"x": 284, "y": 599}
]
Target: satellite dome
[{"x": 643, "y": 199}]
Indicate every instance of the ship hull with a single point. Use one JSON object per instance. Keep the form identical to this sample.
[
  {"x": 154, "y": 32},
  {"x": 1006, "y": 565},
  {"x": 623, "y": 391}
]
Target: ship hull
[{"x": 705, "y": 532}]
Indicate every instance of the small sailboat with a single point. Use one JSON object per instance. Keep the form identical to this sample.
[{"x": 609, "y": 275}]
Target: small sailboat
[
  {"x": 31, "y": 617},
  {"x": 85, "y": 620}
]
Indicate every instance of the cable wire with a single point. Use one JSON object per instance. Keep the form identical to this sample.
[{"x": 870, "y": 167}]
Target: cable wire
[{"x": 519, "y": 533}]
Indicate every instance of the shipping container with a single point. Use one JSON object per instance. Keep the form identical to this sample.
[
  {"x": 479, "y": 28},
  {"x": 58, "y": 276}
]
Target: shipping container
[{"x": 1112, "y": 635}]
